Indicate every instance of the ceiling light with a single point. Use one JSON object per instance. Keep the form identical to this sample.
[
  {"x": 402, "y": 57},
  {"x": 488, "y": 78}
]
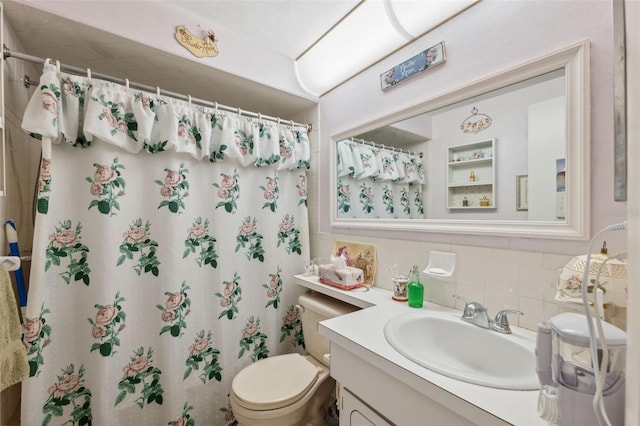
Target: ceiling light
[{"x": 370, "y": 32}]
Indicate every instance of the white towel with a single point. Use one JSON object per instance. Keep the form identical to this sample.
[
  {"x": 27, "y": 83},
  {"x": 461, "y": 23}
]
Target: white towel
[{"x": 14, "y": 366}]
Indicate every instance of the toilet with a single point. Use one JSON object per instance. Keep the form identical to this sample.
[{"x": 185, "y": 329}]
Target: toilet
[{"x": 291, "y": 389}]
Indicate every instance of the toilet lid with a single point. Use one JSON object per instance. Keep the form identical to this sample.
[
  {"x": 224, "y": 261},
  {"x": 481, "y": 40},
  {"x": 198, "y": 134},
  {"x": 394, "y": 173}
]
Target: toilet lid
[{"x": 274, "y": 382}]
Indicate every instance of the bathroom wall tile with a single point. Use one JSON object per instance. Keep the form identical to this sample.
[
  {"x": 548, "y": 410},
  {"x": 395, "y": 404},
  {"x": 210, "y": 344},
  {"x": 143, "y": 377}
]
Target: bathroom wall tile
[
  {"x": 549, "y": 292},
  {"x": 533, "y": 282},
  {"x": 322, "y": 247},
  {"x": 472, "y": 251},
  {"x": 440, "y": 292},
  {"x": 555, "y": 261},
  {"x": 471, "y": 293},
  {"x": 549, "y": 309},
  {"x": 618, "y": 284},
  {"x": 517, "y": 257},
  {"x": 533, "y": 313},
  {"x": 502, "y": 276},
  {"x": 496, "y": 301},
  {"x": 471, "y": 270},
  {"x": 617, "y": 297}
]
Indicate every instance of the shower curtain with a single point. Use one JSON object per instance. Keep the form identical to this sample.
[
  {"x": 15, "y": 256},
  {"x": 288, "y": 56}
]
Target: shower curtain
[{"x": 166, "y": 238}]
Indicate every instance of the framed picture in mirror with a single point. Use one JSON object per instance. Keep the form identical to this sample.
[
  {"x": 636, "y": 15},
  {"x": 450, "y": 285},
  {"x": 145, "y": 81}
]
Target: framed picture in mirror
[{"x": 522, "y": 192}]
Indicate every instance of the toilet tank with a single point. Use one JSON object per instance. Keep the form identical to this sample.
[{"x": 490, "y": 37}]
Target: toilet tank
[{"x": 317, "y": 307}]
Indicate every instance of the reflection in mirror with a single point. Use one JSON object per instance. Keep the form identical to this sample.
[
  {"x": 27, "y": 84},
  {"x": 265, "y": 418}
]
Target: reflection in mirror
[
  {"x": 526, "y": 122},
  {"x": 489, "y": 157},
  {"x": 388, "y": 181}
]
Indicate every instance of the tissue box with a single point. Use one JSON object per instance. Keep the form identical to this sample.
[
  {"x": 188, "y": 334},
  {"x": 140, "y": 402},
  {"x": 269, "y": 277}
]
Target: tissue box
[{"x": 345, "y": 278}]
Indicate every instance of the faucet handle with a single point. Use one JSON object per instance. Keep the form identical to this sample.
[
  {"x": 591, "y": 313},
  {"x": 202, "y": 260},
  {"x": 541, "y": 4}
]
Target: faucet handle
[
  {"x": 501, "y": 323},
  {"x": 455, "y": 296},
  {"x": 471, "y": 309}
]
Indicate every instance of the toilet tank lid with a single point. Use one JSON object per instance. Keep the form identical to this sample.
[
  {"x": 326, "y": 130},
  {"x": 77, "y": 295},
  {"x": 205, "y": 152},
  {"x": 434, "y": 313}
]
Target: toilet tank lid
[{"x": 324, "y": 305}]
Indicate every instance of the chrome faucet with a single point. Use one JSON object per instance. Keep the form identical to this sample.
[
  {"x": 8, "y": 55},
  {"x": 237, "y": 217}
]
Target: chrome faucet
[{"x": 477, "y": 314}]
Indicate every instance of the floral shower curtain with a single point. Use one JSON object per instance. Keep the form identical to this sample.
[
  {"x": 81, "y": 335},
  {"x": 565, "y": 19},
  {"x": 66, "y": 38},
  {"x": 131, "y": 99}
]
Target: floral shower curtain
[
  {"x": 378, "y": 183},
  {"x": 165, "y": 239}
]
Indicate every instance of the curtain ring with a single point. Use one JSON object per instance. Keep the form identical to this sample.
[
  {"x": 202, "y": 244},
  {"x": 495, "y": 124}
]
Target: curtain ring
[
  {"x": 239, "y": 111},
  {"x": 216, "y": 106},
  {"x": 58, "y": 66},
  {"x": 383, "y": 147},
  {"x": 278, "y": 121},
  {"x": 292, "y": 123},
  {"x": 46, "y": 61},
  {"x": 189, "y": 97},
  {"x": 126, "y": 83},
  {"x": 89, "y": 74},
  {"x": 259, "y": 117},
  {"x": 158, "y": 90}
]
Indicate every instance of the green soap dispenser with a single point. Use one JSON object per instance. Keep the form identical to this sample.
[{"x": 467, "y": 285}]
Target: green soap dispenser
[{"x": 415, "y": 289}]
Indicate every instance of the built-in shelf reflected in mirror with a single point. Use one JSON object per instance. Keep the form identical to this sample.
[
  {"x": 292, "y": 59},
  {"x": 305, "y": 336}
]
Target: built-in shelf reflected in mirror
[{"x": 467, "y": 161}]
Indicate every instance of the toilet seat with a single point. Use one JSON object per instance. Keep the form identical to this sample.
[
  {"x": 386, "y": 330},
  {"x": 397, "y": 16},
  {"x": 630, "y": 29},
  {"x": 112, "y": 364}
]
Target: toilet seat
[{"x": 274, "y": 382}]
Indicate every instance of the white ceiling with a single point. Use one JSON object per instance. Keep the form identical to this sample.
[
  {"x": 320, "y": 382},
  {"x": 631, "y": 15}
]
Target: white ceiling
[
  {"x": 46, "y": 35},
  {"x": 271, "y": 23},
  {"x": 266, "y": 24}
]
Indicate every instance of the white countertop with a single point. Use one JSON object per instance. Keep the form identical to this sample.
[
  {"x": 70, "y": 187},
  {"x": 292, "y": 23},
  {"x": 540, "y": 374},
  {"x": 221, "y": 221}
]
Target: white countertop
[{"x": 362, "y": 332}]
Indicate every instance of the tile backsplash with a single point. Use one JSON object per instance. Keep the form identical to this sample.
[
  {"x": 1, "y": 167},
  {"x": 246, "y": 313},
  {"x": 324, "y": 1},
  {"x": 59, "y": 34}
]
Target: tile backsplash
[{"x": 497, "y": 278}]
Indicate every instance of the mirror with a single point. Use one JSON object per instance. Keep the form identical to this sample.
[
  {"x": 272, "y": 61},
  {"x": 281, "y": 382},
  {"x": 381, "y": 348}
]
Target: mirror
[{"x": 507, "y": 155}]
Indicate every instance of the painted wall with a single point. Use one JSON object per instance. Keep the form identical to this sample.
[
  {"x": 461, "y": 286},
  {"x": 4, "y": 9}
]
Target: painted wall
[
  {"x": 157, "y": 30},
  {"x": 489, "y": 37},
  {"x": 509, "y": 127},
  {"x": 632, "y": 17},
  {"x": 22, "y": 165},
  {"x": 499, "y": 272}
]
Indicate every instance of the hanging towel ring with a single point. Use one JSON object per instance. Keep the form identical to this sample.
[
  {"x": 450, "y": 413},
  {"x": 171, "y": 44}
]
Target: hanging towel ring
[{"x": 89, "y": 74}]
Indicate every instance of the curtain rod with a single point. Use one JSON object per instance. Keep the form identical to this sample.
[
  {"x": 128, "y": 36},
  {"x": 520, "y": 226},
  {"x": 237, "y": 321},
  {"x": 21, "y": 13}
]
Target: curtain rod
[
  {"x": 383, "y": 146},
  {"x": 8, "y": 53}
]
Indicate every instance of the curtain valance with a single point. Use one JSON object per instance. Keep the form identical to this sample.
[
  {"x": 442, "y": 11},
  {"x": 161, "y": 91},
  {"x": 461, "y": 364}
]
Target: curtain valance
[
  {"x": 378, "y": 183},
  {"x": 76, "y": 110},
  {"x": 361, "y": 161}
]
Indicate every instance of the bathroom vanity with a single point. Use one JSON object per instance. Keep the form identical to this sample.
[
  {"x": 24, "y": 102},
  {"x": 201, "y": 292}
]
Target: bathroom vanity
[{"x": 380, "y": 386}]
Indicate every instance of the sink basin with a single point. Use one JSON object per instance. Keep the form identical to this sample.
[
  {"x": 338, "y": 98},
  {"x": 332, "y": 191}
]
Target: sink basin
[{"x": 444, "y": 343}]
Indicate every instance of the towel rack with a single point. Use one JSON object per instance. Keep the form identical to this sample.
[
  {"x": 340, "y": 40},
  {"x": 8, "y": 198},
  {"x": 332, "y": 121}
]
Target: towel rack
[{"x": 10, "y": 263}]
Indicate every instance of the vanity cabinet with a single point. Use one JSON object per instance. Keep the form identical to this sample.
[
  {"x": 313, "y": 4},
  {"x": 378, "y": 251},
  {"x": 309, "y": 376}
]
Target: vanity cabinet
[
  {"x": 395, "y": 401},
  {"x": 354, "y": 412},
  {"x": 471, "y": 176},
  {"x": 379, "y": 386}
]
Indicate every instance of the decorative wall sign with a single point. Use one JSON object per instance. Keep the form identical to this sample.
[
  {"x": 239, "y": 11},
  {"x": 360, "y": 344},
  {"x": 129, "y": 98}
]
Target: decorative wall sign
[
  {"x": 476, "y": 122},
  {"x": 199, "y": 47},
  {"x": 428, "y": 59}
]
